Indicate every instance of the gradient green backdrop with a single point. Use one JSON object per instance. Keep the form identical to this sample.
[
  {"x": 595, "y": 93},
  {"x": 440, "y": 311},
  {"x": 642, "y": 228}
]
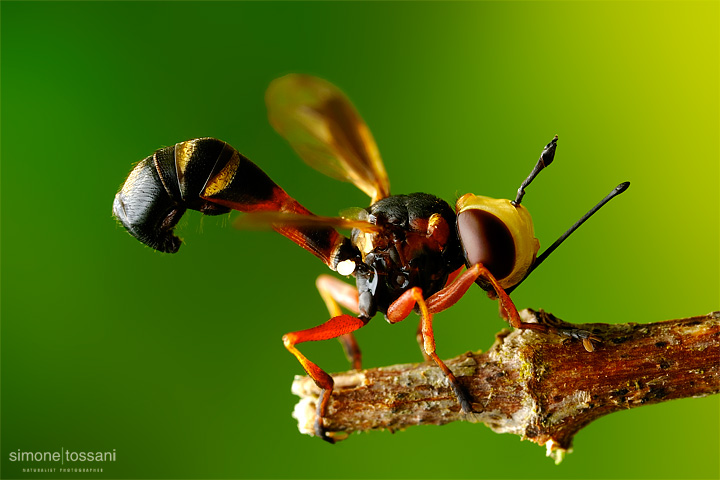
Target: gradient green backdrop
[{"x": 176, "y": 361}]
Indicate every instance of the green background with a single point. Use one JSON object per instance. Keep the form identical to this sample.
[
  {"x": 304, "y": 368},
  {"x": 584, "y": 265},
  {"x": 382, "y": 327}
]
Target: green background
[{"x": 176, "y": 361}]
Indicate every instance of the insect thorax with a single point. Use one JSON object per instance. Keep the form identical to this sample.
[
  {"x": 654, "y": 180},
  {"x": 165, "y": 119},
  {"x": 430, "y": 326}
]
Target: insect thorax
[{"x": 417, "y": 246}]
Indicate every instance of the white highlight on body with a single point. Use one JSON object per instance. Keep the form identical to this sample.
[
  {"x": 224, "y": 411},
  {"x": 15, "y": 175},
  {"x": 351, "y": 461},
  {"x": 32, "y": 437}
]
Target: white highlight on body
[{"x": 346, "y": 267}]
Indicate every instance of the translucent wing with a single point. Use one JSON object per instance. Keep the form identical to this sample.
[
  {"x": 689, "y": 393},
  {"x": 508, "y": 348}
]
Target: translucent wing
[
  {"x": 268, "y": 220},
  {"x": 327, "y": 132}
]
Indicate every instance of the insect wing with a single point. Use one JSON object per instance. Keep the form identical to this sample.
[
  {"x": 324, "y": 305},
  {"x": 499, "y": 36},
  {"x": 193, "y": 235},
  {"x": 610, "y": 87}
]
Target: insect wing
[
  {"x": 324, "y": 128},
  {"x": 268, "y": 220}
]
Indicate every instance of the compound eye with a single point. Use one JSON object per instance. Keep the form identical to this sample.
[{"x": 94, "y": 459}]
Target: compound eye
[{"x": 486, "y": 240}]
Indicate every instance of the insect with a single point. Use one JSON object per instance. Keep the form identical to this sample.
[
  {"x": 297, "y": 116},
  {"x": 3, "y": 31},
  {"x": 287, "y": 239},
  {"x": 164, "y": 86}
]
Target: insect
[{"x": 406, "y": 252}]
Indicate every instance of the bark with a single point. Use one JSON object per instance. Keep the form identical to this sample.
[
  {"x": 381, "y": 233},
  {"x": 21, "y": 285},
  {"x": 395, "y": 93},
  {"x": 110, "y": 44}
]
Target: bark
[{"x": 542, "y": 387}]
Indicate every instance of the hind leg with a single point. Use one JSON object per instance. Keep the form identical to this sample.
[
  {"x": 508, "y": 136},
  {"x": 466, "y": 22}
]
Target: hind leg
[{"x": 336, "y": 293}]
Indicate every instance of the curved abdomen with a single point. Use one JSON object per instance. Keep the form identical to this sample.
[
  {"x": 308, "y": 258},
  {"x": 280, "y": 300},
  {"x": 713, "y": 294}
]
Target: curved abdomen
[{"x": 210, "y": 176}]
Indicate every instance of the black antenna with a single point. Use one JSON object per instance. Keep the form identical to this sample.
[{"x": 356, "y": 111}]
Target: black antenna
[
  {"x": 615, "y": 192},
  {"x": 546, "y": 158}
]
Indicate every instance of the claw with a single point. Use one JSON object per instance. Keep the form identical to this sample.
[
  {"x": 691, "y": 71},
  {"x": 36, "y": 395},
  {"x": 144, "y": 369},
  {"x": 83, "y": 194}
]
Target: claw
[
  {"x": 319, "y": 417},
  {"x": 463, "y": 397},
  {"x": 320, "y": 431}
]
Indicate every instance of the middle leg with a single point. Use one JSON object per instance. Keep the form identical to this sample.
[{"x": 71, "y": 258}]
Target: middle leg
[
  {"x": 399, "y": 310},
  {"x": 333, "y": 328}
]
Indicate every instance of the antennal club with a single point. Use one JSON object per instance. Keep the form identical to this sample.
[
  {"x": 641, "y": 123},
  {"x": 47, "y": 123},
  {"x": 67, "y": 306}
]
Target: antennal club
[
  {"x": 546, "y": 158},
  {"x": 541, "y": 258}
]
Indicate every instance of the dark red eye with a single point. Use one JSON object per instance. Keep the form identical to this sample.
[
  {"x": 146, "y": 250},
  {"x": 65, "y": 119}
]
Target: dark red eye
[{"x": 486, "y": 240}]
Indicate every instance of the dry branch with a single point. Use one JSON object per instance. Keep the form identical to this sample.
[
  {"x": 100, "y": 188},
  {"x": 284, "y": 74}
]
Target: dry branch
[{"x": 544, "y": 388}]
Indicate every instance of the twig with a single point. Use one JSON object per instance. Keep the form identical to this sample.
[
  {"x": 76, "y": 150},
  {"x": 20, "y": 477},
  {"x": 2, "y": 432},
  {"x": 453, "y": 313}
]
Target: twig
[{"x": 544, "y": 388}]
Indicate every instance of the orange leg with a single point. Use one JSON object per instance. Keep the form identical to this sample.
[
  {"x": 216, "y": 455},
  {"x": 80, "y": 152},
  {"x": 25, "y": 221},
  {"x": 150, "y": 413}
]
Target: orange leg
[
  {"x": 336, "y": 293},
  {"x": 449, "y": 295},
  {"x": 333, "y": 328},
  {"x": 399, "y": 310},
  {"x": 421, "y": 341},
  {"x": 419, "y": 335},
  {"x": 453, "y": 276}
]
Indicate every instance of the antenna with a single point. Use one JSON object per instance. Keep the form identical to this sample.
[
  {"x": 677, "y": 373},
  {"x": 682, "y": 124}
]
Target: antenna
[
  {"x": 615, "y": 192},
  {"x": 546, "y": 158}
]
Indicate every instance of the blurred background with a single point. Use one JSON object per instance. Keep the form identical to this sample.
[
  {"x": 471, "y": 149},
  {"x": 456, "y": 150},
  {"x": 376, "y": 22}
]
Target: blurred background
[{"x": 176, "y": 362}]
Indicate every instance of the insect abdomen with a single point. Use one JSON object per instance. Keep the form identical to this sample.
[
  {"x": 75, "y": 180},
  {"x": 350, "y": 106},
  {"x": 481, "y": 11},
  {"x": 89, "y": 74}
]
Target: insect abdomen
[
  {"x": 203, "y": 174},
  {"x": 210, "y": 176}
]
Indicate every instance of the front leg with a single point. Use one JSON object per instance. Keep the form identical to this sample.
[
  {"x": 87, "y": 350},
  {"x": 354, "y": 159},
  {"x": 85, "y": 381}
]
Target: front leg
[{"x": 449, "y": 295}]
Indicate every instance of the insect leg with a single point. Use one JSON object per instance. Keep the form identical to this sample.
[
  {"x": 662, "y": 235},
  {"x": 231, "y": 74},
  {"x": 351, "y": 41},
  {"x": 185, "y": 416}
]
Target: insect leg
[
  {"x": 421, "y": 341},
  {"x": 449, "y": 295},
  {"x": 333, "y": 328},
  {"x": 336, "y": 293},
  {"x": 419, "y": 335},
  {"x": 399, "y": 310}
]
